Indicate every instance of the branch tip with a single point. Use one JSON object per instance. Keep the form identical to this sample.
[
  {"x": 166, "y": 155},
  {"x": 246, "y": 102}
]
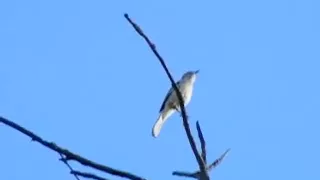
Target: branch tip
[{"x": 203, "y": 143}]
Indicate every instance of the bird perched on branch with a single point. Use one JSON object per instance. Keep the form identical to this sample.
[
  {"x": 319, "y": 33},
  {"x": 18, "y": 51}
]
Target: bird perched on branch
[{"x": 171, "y": 101}]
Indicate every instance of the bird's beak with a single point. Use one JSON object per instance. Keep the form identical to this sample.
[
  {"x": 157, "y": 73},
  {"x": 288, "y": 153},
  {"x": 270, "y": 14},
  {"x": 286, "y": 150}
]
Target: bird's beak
[{"x": 197, "y": 71}]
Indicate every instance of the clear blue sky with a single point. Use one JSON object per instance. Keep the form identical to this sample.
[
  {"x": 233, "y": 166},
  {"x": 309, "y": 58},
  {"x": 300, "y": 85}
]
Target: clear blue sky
[{"x": 76, "y": 73}]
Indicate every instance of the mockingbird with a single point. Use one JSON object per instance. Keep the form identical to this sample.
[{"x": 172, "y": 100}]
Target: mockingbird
[{"x": 171, "y": 101}]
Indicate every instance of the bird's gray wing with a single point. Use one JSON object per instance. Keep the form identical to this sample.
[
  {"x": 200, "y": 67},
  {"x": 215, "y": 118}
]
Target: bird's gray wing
[{"x": 167, "y": 96}]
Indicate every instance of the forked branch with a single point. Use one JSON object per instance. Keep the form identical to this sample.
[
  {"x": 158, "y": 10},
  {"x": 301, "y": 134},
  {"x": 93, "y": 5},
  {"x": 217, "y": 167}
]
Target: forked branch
[
  {"x": 68, "y": 155},
  {"x": 196, "y": 174}
]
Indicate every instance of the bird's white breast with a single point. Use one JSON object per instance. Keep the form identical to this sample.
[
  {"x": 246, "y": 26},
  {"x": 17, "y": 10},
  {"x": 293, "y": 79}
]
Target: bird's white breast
[{"x": 186, "y": 91}]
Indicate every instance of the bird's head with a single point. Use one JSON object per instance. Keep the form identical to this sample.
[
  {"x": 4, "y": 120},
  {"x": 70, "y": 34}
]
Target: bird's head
[{"x": 190, "y": 75}]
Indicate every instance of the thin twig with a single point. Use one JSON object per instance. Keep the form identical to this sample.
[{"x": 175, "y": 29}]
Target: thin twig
[
  {"x": 218, "y": 161},
  {"x": 200, "y": 161},
  {"x": 69, "y": 155},
  {"x": 184, "y": 174},
  {"x": 69, "y": 166},
  {"x": 203, "y": 144},
  {"x": 87, "y": 175}
]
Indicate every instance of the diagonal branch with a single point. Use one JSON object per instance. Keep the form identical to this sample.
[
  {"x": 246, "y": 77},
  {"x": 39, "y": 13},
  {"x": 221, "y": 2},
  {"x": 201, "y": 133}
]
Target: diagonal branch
[
  {"x": 69, "y": 166},
  {"x": 200, "y": 161},
  {"x": 203, "y": 143},
  {"x": 87, "y": 175},
  {"x": 218, "y": 161},
  {"x": 69, "y": 155}
]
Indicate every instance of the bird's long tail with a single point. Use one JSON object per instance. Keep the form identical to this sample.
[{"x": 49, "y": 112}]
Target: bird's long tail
[{"x": 164, "y": 115}]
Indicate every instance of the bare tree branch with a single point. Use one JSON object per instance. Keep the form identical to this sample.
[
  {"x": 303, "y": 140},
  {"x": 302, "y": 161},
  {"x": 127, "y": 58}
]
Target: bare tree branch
[
  {"x": 200, "y": 161},
  {"x": 203, "y": 144},
  {"x": 218, "y": 161},
  {"x": 185, "y": 174},
  {"x": 69, "y": 155},
  {"x": 87, "y": 175},
  {"x": 69, "y": 166},
  {"x": 197, "y": 173}
]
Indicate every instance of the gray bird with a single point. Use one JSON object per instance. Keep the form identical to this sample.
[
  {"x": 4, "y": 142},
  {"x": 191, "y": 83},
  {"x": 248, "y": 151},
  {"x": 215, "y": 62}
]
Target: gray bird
[{"x": 171, "y": 101}]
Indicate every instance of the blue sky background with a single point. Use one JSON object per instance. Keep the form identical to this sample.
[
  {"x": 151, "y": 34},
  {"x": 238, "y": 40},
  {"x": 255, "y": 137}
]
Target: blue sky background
[{"x": 76, "y": 73}]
